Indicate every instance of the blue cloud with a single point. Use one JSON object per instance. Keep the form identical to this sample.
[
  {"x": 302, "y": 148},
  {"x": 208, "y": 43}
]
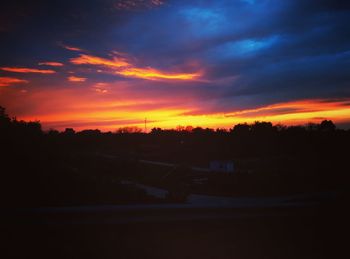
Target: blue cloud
[
  {"x": 243, "y": 48},
  {"x": 204, "y": 21}
]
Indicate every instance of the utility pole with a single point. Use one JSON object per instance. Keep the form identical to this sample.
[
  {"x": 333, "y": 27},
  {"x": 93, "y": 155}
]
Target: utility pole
[{"x": 145, "y": 125}]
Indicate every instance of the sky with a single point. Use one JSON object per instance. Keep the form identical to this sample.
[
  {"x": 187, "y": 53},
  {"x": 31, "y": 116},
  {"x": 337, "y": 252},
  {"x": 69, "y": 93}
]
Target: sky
[{"x": 108, "y": 64}]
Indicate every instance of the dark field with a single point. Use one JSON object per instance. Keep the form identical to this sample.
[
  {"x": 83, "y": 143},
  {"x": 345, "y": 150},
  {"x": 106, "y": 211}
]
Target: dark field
[{"x": 264, "y": 233}]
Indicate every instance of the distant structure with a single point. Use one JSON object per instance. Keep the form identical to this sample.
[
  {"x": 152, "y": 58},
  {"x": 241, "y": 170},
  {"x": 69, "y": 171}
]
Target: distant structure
[
  {"x": 220, "y": 166},
  {"x": 145, "y": 125}
]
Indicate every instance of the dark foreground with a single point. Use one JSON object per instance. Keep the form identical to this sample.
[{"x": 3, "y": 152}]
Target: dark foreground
[
  {"x": 303, "y": 232},
  {"x": 90, "y": 168}
]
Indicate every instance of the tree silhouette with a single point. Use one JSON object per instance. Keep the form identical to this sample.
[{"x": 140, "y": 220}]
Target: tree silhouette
[
  {"x": 4, "y": 118},
  {"x": 327, "y": 125}
]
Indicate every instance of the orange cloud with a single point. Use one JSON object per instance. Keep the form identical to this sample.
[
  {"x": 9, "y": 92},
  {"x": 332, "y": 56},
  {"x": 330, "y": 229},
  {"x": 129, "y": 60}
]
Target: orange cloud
[
  {"x": 72, "y": 48},
  {"x": 294, "y": 107},
  {"x": 76, "y": 79},
  {"x": 53, "y": 64},
  {"x": 28, "y": 70},
  {"x": 124, "y": 67},
  {"x": 6, "y": 81},
  {"x": 100, "y": 88},
  {"x": 93, "y": 60},
  {"x": 151, "y": 73}
]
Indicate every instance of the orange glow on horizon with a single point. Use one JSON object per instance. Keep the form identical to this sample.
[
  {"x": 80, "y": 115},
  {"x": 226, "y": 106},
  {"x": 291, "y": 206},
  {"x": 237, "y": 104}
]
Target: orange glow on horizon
[
  {"x": 28, "y": 70},
  {"x": 110, "y": 117}
]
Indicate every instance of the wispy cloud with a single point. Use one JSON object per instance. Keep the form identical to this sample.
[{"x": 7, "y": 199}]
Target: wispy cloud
[
  {"x": 125, "y": 67},
  {"x": 76, "y": 79},
  {"x": 53, "y": 64},
  {"x": 6, "y": 81},
  {"x": 28, "y": 70},
  {"x": 291, "y": 108},
  {"x": 116, "y": 62},
  {"x": 100, "y": 88},
  {"x": 72, "y": 48}
]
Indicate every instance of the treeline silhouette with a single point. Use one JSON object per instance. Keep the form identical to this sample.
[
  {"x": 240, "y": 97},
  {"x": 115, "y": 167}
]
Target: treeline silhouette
[{"x": 68, "y": 168}]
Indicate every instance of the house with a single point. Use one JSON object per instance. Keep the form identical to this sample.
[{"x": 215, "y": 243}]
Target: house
[{"x": 221, "y": 166}]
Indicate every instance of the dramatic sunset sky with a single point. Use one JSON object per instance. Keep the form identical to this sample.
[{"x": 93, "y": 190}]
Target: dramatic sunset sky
[{"x": 107, "y": 64}]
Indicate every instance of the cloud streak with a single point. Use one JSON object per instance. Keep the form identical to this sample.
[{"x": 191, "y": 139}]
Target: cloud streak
[
  {"x": 294, "y": 108},
  {"x": 124, "y": 67},
  {"x": 76, "y": 79},
  {"x": 7, "y": 81},
  {"x": 151, "y": 73},
  {"x": 72, "y": 48},
  {"x": 27, "y": 70},
  {"x": 53, "y": 64},
  {"x": 94, "y": 60}
]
